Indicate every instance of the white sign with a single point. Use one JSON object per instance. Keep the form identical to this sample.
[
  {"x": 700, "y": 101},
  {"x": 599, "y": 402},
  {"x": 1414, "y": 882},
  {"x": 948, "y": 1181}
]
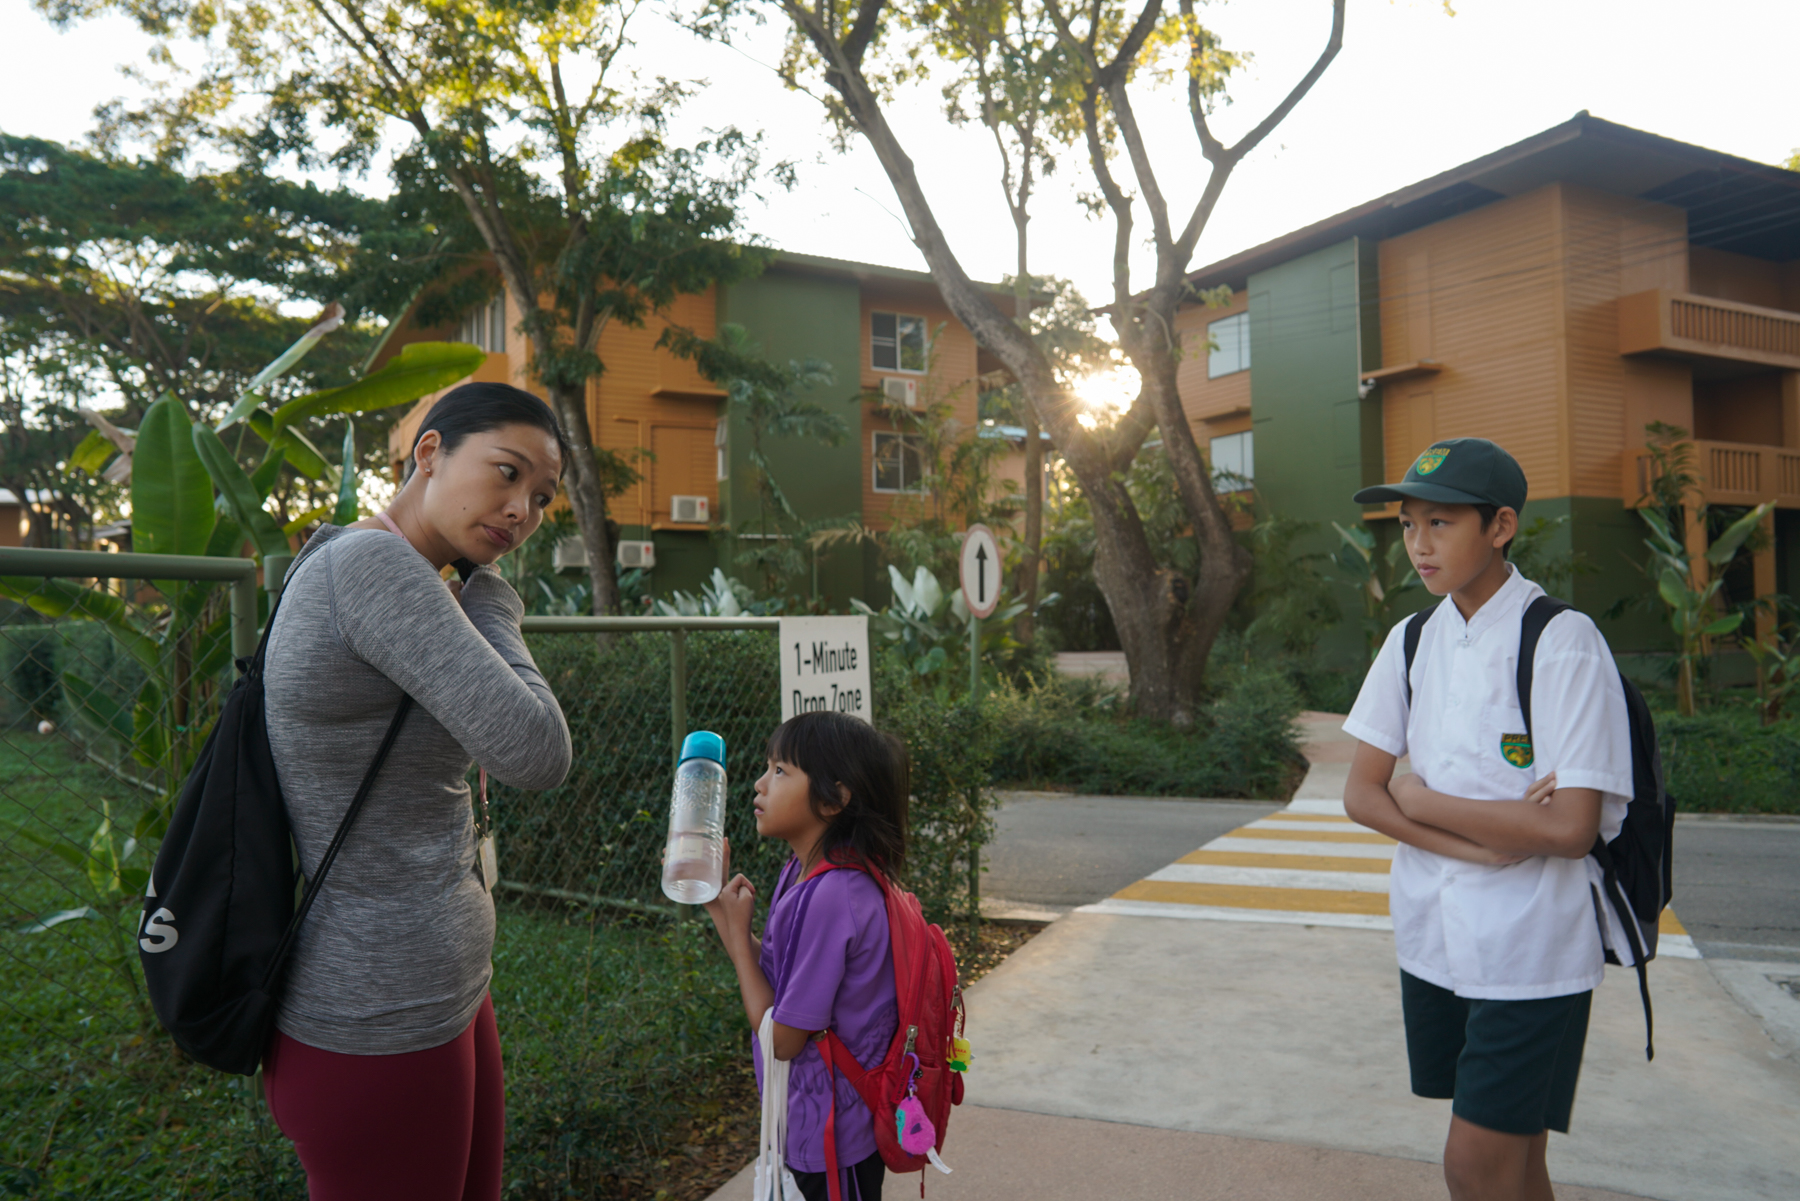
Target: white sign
[
  {"x": 980, "y": 571},
  {"x": 825, "y": 666}
]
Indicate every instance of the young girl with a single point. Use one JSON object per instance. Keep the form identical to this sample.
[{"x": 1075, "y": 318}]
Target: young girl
[{"x": 835, "y": 791}]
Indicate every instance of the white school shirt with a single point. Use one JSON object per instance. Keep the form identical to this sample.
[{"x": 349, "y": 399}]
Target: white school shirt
[{"x": 1529, "y": 929}]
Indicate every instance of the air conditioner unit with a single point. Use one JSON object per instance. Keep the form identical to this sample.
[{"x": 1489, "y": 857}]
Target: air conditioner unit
[
  {"x": 569, "y": 555},
  {"x": 901, "y": 392},
  {"x": 690, "y": 510},
  {"x": 637, "y": 554}
]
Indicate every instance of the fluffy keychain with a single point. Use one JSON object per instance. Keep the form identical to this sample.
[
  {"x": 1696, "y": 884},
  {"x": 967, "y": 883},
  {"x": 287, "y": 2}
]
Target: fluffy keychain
[{"x": 917, "y": 1135}]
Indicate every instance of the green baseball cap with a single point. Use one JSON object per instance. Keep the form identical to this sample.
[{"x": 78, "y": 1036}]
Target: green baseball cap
[{"x": 1457, "y": 471}]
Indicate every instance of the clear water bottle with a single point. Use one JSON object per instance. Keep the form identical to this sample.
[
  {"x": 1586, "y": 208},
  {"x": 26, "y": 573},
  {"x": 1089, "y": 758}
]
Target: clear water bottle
[{"x": 694, "y": 860}]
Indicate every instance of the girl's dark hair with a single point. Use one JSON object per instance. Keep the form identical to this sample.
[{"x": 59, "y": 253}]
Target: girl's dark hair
[
  {"x": 477, "y": 408},
  {"x": 834, "y": 749}
]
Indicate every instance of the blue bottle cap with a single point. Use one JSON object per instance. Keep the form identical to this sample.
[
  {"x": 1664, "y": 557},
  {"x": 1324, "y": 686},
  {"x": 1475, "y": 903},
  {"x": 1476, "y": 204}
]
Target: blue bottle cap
[{"x": 703, "y": 744}]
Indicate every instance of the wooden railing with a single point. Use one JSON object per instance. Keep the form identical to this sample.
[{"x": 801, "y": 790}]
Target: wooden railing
[
  {"x": 1731, "y": 473},
  {"x": 1688, "y": 326}
]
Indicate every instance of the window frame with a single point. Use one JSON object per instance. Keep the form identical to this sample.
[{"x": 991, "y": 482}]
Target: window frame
[
  {"x": 1241, "y": 350},
  {"x": 1246, "y": 457},
  {"x": 898, "y": 342},
  {"x": 917, "y": 441}
]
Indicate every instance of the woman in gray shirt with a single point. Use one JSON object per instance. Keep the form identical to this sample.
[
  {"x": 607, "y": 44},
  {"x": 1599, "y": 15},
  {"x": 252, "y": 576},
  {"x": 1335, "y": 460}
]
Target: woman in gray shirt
[{"x": 385, "y": 1067}]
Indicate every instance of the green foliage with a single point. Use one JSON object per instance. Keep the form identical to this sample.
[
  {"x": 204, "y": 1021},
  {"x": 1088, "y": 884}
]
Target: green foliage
[
  {"x": 1533, "y": 552},
  {"x": 721, "y": 596},
  {"x": 1076, "y": 734},
  {"x": 1381, "y": 579},
  {"x": 1692, "y": 610},
  {"x": 927, "y": 626},
  {"x": 952, "y": 747},
  {"x": 1778, "y": 658},
  {"x": 1291, "y": 600},
  {"x": 171, "y": 496},
  {"x": 1726, "y": 761}
]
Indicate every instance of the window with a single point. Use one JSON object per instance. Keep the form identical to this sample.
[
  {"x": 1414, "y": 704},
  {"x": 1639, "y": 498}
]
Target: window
[
  {"x": 721, "y": 451},
  {"x": 896, "y": 342},
  {"x": 1231, "y": 346},
  {"x": 486, "y": 326},
  {"x": 1233, "y": 461},
  {"x": 899, "y": 462}
]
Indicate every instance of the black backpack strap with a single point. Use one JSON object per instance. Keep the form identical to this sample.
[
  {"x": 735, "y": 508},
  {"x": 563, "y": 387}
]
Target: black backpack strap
[
  {"x": 1415, "y": 626},
  {"x": 337, "y": 840},
  {"x": 1531, "y": 628}
]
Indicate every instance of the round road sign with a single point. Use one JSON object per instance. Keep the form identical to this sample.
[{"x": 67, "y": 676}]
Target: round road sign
[{"x": 980, "y": 571}]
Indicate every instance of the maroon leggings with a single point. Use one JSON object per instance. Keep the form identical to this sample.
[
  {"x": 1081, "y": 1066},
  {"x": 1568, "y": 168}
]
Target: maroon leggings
[{"x": 426, "y": 1125}]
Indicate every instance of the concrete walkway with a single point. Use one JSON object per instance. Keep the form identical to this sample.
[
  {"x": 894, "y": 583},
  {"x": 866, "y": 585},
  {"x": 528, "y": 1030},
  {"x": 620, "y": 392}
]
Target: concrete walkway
[{"x": 1259, "y": 1056}]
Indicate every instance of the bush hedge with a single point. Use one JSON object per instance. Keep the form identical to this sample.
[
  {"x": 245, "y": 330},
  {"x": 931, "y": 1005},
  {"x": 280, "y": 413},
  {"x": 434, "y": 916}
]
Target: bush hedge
[
  {"x": 1075, "y": 734},
  {"x": 1724, "y": 761}
]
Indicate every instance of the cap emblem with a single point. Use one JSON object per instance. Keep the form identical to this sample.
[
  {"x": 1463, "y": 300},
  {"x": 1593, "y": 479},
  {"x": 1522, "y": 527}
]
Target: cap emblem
[
  {"x": 1431, "y": 460},
  {"x": 1516, "y": 749}
]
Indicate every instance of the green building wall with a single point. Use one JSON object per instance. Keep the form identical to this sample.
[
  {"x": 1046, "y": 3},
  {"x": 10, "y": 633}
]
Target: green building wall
[
  {"x": 793, "y": 317},
  {"x": 1314, "y": 328}
]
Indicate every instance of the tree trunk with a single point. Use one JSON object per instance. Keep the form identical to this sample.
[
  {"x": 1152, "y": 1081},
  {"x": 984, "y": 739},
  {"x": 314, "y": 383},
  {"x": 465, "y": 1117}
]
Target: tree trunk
[
  {"x": 587, "y": 497},
  {"x": 1034, "y": 524}
]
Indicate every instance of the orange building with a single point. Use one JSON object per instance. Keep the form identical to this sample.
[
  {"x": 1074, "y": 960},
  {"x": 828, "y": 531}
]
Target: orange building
[
  {"x": 882, "y": 330},
  {"x": 1555, "y": 296}
]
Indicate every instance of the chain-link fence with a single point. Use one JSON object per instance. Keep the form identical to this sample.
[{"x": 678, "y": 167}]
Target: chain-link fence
[{"x": 112, "y": 668}]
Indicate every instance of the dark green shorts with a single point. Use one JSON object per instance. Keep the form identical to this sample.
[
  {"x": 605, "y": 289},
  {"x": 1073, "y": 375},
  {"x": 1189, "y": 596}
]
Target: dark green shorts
[{"x": 1509, "y": 1066}]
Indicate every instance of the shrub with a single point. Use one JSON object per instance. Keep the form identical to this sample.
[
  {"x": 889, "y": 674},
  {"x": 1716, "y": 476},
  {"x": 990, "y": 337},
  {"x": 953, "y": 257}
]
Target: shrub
[
  {"x": 1074, "y": 733},
  {"x": 1725, "y": 761}
]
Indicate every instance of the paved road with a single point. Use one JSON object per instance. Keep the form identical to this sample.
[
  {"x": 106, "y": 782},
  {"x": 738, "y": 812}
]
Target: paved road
[
  {"x": 1737, "y": 888},
  {"x": 1737, "y": 883},
  {"x": 1057, "y": 852}
]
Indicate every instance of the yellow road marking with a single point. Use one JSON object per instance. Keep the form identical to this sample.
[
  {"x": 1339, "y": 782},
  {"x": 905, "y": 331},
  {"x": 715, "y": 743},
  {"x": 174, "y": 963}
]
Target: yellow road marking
[
  {"x": 1239, "y": 896},
  {"x": 1304, "y": 817},
  {"x": 1316, "y": 836},
  {"x": 1669, "y": 923},
  {"x": 1304, "y": 863}
]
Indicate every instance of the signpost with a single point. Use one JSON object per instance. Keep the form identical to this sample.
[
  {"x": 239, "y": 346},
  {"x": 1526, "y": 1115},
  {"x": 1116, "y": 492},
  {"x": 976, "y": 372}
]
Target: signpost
[
  {"x": 825, "y": 666},
  {"x": 980, "y": 563}
]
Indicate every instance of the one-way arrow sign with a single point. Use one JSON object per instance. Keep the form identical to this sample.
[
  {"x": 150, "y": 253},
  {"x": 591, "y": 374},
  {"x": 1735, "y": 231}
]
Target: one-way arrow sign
[{"x": 980, "y": 571}]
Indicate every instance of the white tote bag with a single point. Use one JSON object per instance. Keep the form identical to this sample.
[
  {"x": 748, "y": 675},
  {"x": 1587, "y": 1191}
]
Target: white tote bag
[{"x": 773, "y": 1181}]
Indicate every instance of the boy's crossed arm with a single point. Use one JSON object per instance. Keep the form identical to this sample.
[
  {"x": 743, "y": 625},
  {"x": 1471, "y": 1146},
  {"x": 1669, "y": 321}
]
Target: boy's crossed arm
[{"x": 1562, "y": 822}]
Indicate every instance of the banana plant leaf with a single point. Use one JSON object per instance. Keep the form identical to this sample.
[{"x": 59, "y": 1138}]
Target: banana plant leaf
[
  {"x": 61, "y": 599},
  {"x": 87, "y": 699},
  {"x": 301, "y": 454},
  {"x": 307, "y": 518},
  {"x": 419, "y": 368},
  {"x": 239, "y": 494},
  {"x": 171, "y": 496},
  {"x": 92, "y": 453},
  {"x": 268, "y": 471},
  {"x": 346, "y": 509},
  {"x": 149, "y": 737},
  {"x": 1726, "y": 545},
  {"x": 330, "y": 319}
]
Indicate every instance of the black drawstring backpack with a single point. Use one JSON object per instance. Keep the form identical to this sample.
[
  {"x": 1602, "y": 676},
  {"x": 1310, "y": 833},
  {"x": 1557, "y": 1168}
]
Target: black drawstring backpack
[
  {"x": 1637, "y": 867},
  {"x": 219, "y": 913}
]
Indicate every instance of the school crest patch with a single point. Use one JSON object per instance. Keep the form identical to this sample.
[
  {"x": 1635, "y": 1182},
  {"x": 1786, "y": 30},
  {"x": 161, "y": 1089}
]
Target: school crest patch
[
  {"x": 1431, "y": 460},
  {"x": 1516, "y": 749}
]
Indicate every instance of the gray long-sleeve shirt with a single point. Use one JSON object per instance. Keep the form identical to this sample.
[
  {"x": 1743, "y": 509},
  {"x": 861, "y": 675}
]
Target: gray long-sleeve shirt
[{"x": 396, "y": 953}]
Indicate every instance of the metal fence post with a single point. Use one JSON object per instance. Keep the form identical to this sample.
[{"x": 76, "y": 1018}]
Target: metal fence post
[
  {"x": 677, "y": 692},
  {"x": 243, "y": 615}
]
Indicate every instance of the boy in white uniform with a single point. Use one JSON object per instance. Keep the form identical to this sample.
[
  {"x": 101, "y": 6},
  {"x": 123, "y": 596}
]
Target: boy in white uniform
[{"x": 1494, "y": 916}]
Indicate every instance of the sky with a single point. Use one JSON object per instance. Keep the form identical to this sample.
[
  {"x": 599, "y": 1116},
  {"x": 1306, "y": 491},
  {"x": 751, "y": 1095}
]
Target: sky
[{"x": 1414, "y": 92}]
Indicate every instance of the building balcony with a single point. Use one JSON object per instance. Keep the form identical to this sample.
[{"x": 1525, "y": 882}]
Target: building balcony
[
  {"x": 1731, "y": 473},
  {"x": 1708, "y": 330}
]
